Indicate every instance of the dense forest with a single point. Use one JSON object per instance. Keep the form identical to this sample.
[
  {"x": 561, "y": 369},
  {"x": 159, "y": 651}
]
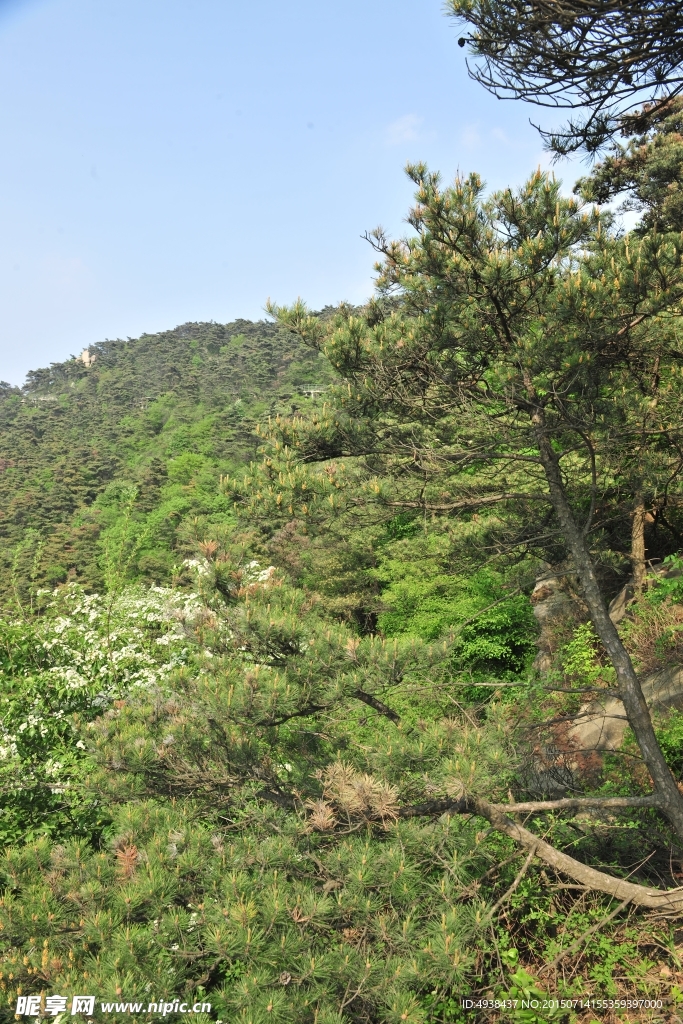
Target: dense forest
[
  {"x": 341, "y": 654},
  {"x": 164, "y": 414}
]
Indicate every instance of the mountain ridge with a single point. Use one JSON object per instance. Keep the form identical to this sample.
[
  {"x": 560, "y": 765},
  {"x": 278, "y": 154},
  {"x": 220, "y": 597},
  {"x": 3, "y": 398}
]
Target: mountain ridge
[{"x": 165, "y": 413}]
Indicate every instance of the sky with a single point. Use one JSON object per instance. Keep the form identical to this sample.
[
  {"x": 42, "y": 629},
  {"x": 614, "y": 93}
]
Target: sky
[{"x": 167, "y": 161}]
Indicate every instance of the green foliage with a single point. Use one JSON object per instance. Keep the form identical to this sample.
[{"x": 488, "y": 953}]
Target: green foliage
[
  {"x": 521, "y": 987},
  {"x": 494, "y": 636},
  {"x": 164, "y": 414},
  {"x": 648, "y": 170},
  {"x": 583, "y": 660},
  {"x": 670, "y": 739},
  {"x": 490, "y": 298},
  {"x": 668, "y": 587},
  {"x": 249, "y": 846},
  {"x": 250, "y": 909},
  {"x": 654, "y": 630},
  {"x": 237, "y": 782}
]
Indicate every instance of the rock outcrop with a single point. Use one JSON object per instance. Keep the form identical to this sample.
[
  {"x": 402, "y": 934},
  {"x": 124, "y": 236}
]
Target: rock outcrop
[
  {"x": 556, "y": 611},
  {"x": 87, "y": 357},
  {"x": 618, "y": 606},
  {"x": 601, "y": 725}
]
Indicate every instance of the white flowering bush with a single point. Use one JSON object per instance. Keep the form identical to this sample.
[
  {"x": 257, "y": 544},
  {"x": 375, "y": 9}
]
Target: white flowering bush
[{"x": 59, "y": 672}]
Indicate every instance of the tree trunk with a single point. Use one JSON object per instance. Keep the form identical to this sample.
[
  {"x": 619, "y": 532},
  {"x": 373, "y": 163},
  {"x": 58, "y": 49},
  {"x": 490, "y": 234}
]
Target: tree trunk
[
  {"x": 630, "y": 692},
  {"x": 638, "y": 545}
]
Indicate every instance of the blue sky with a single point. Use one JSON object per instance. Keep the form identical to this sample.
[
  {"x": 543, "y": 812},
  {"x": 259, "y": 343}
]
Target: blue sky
[{"x": 175, "y": 160}]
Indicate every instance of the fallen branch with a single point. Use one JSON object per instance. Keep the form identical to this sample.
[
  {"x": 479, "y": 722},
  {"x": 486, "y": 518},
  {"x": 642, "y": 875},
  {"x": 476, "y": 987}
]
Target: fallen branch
[
  {"x": 570, "y": 803},
  {"x": 670, "y": 901}
]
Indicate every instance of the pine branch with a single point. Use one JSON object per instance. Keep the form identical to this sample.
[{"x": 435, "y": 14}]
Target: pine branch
[{"x": 670, "y": 901}]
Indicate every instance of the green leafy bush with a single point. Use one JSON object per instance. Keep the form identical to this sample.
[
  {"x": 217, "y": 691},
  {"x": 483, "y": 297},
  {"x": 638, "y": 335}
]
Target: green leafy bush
[{"x": 492, "y": 636}]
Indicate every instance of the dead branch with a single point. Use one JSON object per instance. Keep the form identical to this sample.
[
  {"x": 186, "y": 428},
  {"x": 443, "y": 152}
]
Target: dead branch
[
  {"x": 668, "y": 901},
  {"x": 581, "y": 803}
]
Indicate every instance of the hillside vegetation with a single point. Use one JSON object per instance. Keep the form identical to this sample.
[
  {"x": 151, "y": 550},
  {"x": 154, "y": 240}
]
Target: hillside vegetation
[
  {"x": 274, "y": 733},
  {"x": 165, "y": 414}
]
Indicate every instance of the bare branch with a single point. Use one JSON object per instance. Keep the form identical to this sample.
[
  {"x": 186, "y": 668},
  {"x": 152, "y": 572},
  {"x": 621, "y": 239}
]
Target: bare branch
[
  {"x": 476, "y": 501},
  {"x": 668, "y": 901},
  {"x": 581, "y": 803}
]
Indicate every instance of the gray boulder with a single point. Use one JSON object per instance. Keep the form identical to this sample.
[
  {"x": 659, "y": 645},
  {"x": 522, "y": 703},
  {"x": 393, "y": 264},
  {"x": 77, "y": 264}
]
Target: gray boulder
[
  {"x": 556, "y": 609},
  {"x": 602, "y": 724}
]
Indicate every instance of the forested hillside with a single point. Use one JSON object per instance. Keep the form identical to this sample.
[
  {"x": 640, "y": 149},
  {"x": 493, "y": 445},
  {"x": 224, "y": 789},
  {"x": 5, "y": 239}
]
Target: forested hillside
[
  {"x": 340, "y": 663},
  {"x": 165, "y": 414}
]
